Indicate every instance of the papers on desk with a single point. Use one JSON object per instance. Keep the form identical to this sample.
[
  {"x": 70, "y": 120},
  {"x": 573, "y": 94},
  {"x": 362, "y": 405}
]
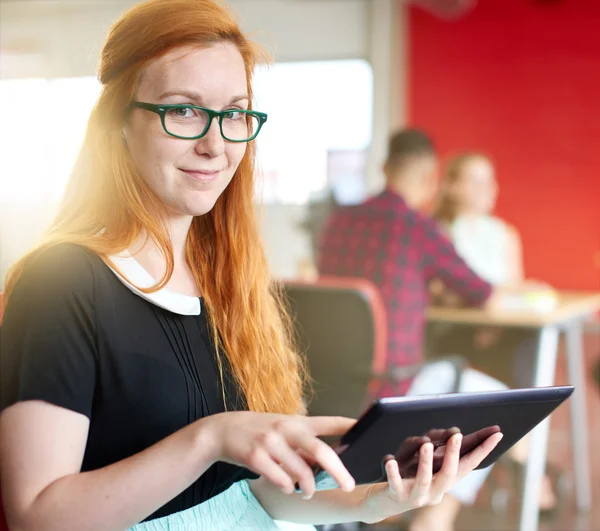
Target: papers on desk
[{"x": 536, "y": 301}]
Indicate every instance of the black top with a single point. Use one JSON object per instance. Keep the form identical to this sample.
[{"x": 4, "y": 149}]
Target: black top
[{"x": 76, "y": 336}]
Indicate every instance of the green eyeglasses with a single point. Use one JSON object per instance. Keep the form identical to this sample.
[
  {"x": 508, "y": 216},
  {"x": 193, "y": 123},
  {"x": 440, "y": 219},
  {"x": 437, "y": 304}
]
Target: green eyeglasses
[{"x": 190, "y": 122}]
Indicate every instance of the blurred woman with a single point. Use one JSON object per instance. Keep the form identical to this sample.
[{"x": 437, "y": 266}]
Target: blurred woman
[{"x": 492, "y": 248}]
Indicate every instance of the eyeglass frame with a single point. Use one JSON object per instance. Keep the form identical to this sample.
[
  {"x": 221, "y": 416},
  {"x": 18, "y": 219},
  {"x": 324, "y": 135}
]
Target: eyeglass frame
[{"x": 162, "y": 109}]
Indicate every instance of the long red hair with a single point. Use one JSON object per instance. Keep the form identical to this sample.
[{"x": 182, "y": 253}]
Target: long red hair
[{"x": 107, "y": 205}]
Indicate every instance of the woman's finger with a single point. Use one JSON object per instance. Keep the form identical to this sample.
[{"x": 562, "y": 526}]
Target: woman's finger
[
  {"x": 288, "y": 459},
  {"x": 395, "y": 483},
  {"x": 473, "y": 440},
  {"x": 324, "y": 456},
  {"x": 329, "y": 426},
  {"x": 442, "y": 435},
  {"x": 262, "y": 464},
  {"x": 446, "y": 477},
  {"x": 307, "y": 457},
  {"x": 410, "y": 447},
  {"x": 424, "y": 476},
  {"x": 473, "y": 459}
]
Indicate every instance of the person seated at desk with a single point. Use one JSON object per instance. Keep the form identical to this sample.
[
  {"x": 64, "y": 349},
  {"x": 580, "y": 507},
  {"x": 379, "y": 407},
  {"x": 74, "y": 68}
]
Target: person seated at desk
[
  {"x": 491, "y": 248},
  {"x": 388, "y": 241}
]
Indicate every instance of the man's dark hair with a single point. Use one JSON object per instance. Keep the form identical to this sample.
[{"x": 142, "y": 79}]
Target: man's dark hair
[{"x": 408, "y": 144}]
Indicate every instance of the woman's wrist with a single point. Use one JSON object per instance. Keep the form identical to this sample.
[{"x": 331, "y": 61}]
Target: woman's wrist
[
  {"x": 205, "y": 441},
  {"x": 375, "y": 507}
]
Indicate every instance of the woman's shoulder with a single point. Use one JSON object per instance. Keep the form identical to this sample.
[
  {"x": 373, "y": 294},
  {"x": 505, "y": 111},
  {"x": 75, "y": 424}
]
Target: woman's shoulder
[
  {"x": 493, "y": 226},
  {"x": 62, "y": 260},
  {"x": 482, "y": 228},
  {"x": 66, "y": 267},
  {"x": 507, "y": 229},
  {"x": 496, "y": 221}
]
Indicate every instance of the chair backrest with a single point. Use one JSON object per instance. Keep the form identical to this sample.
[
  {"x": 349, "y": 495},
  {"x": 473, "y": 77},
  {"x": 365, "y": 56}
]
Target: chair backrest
[{"x": 341, "y": 327}]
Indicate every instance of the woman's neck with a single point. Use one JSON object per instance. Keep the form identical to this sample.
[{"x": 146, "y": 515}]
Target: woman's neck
[
  {"x": 178, "y": 229},
  {"x": 149, "y": 255},
  {"x": 468, "y": 214}
]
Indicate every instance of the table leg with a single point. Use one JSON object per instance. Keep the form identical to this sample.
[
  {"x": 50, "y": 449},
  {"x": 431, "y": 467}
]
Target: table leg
[
  {"x": 577, "y": 403},
  {"x": 545, "y": 368}
]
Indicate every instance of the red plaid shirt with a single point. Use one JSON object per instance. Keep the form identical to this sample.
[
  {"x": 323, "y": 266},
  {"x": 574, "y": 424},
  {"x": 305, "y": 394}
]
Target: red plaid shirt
[{"x": 399, "y": 250}]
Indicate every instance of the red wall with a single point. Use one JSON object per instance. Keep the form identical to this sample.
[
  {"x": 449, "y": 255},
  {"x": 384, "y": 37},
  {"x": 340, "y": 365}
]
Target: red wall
[{"x": 520, "y": 79}]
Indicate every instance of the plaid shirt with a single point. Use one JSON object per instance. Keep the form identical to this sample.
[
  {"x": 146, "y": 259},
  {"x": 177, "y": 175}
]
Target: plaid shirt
[{"x": 400, "y": 251}]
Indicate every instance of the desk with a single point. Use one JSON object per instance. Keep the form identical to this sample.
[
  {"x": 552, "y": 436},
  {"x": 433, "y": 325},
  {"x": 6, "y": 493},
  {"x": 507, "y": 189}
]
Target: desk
[{"x": 568, "y": 316}]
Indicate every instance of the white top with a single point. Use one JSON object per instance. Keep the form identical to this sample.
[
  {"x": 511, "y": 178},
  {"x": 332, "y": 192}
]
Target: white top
[{"x": 483, "y": 243}]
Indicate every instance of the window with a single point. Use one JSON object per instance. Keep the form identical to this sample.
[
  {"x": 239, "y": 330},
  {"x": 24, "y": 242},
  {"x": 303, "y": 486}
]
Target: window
[
  {"x": 42, "y": 128},
  {"x": 318, "y": 131},
  {"x": 316, "y": 137}
]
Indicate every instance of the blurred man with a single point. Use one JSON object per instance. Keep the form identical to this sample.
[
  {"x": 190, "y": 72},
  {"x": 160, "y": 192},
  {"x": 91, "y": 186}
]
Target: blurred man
[{"x": 389, "y": 242}]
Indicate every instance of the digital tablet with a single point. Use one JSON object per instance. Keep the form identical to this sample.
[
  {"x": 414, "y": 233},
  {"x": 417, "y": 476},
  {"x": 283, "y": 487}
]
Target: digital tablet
[{"x": 399, "y": 426}]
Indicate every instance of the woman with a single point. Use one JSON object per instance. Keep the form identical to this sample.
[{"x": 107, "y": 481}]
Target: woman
[
  {"x": 148, "y": 381},
  {"x": 492, "y": 248}
]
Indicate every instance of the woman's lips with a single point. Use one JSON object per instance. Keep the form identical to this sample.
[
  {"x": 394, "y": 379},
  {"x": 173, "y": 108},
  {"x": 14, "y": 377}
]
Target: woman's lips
[{"x": 205, "y": 176}]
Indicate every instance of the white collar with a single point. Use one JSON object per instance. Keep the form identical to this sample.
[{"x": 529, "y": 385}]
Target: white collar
[{"x": 134, "y": 273}]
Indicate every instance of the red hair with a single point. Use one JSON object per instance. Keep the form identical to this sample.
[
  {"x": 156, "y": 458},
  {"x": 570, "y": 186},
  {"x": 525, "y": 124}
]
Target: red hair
[{"x": 107, "y": 205}]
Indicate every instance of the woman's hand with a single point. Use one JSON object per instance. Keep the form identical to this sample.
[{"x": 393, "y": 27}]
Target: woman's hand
[
  {"x": 397, "y": 495},
  {"x": 279, "y": 447}
]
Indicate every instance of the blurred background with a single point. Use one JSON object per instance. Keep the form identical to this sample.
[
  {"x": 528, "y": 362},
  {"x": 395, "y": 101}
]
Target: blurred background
[{"x": 517, "y": 79}]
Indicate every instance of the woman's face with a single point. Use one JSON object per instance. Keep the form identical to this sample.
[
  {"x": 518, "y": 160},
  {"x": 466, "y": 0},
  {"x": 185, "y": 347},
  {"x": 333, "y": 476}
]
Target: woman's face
[
  {"x": 188, "y": 175},
  {"x": 476, "y": 189}
]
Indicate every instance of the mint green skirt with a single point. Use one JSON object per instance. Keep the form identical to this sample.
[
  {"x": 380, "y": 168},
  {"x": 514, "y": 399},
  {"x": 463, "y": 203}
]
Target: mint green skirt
[{"x": 235, "y": 509}]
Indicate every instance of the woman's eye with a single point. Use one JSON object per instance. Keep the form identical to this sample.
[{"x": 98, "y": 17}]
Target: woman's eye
[
  {"x": 183, "y": 112},
  {"x": 235, "y": 115}
]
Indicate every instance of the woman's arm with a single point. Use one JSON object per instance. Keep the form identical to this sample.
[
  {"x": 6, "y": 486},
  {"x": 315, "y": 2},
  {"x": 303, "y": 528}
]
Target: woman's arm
[
  {"x": 41, "y": 451},
  {"x": 325, "y": 507},
  {"x": 42, "y": 448},
  {"x": 375, "y": 502}
]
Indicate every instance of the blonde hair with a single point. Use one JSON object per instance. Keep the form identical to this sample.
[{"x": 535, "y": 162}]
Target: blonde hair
[{"x": 107, "y": 205}]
